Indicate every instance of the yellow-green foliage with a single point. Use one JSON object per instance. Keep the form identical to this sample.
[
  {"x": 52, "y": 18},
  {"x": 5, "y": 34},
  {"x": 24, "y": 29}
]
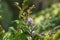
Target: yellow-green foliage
[
  {"x": 57, "y": 35},
  {"x": 47, "y": 38}
]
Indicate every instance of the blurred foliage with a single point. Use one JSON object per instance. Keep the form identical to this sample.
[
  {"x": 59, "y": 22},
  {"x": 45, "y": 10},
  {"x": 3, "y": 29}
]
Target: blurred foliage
[
  {"x": 5, "y": 15},
  {"x": 57, "y": 35},
  {"x": 43, "y": 25},
  {"x": 48, "y": 17}
]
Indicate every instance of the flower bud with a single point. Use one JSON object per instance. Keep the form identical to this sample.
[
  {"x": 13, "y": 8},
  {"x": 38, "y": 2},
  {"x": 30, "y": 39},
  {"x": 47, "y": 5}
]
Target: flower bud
[{"x": 30, "y": 20}]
